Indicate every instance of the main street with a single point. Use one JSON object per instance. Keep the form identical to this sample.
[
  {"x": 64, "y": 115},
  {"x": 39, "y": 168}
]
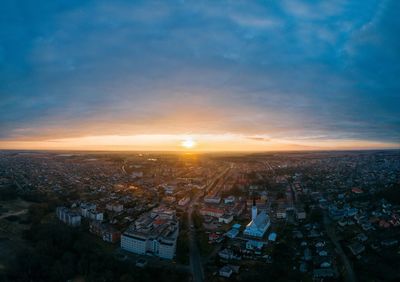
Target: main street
[
  {"x": 196, "y": 265},
  {"x": 350, "y": 276},
  {"x": 195, "y": 259}
]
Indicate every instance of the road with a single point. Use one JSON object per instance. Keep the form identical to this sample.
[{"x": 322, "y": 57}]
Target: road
[
  {"x": 350, "y": 276},
  {"x": 16, "y": 213},
  {"x": 196, "y": 266}
]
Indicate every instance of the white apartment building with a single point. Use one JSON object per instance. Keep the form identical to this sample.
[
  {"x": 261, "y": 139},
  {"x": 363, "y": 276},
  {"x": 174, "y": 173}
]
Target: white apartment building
[
  {"x": 152, "y": 234},
  {"x": 68, "y": 217},
  {"x": 86, "y": 208}
]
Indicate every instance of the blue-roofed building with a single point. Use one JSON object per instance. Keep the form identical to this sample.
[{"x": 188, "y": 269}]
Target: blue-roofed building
[
  {"x": 259, "y": 223},
  {"x": 272, "y": 237},
  {"x": 236, "y": 226},
  {"x": 232, "y": 233},
  {"x": 252, "y": 244}
]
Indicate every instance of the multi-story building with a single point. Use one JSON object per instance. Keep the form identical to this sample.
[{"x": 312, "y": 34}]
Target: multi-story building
[
  {"x": 68, "y": 217},
  {"x": 115, "y": 207},
  {"x": 86, "y": 208},
  {"x": 210, "y": 211},
  {"x": 153, "y": 233},
  {"x": 105, "y": 231},
  {"x": 95, "y": 215},
  {"x": 212, "y": 199}
]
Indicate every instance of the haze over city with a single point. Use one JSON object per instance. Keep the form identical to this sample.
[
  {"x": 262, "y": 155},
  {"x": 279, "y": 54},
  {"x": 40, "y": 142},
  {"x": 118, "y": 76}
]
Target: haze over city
[{"x": 228, "y": 75}]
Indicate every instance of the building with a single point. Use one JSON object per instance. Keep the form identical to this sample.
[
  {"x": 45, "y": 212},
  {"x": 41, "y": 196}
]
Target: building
[
  {"x": 259, "y": 223},
  {"x": 68, "y": 217},
  {"x": 86, "y": 208},
  {"x": 300, "y": 214},
  {"x": 228, "y": 270},
  {"x": 272, "y": 237},
  {"x": 137, "y": 174},
  {"x": 95, "y": 215},
  {"x": 356, "y": 248},
  {"x": 281, "y": 213},
  {"x": 229, "y": 200},
  {"x": 234, "y": 231},
  {"x": 163, "y": 213},
  {"x": 226, "y": 218},
  {"x": 105, "y": 231},
  {"x": 210, "y": 211},
  {"x": 184, "y": 201},
  {"x": 225, "y": 271},
  {"x": 169, "y": 189},
  {"x": 212, "y": 199},
  {"x": 115, "y": 207},
  {"x": 154, "y": 233},
  {"x": 323, "y": 273},
  {"x": 254, "y": 245}
]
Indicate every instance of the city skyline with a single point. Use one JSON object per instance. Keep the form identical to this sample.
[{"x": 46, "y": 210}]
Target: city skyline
[{"x": 229, "y": 76}]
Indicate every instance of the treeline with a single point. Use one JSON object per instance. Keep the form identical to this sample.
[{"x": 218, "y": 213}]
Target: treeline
[
  {"x": 8, "y": 192},
  {"x": 60, "y": 253},
  {"x": 391, "y": 194}
]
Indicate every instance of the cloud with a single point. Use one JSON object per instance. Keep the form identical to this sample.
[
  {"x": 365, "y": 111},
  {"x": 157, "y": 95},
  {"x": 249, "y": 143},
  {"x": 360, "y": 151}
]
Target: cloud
[{"x": 290, "y": 69}]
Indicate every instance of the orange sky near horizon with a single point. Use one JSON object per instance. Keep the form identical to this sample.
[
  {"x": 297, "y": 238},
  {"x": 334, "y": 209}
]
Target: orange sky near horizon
[{"x": 202, "y": 143}]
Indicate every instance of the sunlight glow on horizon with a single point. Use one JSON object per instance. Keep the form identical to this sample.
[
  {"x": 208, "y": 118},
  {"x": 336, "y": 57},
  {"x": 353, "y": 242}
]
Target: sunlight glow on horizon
[
  {"x": 194, "y": 142},
  {"x": 188, "y": 143}
]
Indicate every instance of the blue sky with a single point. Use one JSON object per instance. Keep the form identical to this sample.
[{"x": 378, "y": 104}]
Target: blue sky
[{"x": 298, "y": 70}]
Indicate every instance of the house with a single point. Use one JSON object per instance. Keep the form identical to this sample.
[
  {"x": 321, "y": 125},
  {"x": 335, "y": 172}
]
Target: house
[
  {"x": 234, "y": 231},
  {"x": 300, "y": 214},
  {"x": 307, "y": 254},
  {"x": 225, "y": 254},
  {"x": 213, "y": 212},
  {"x": 323, "y": 273},
  {"x": 225, "y": 271},
  {"x": 356, "y": 248},
  {"x": 272, "y": 237},
  {"x": 226, "y": 218},
  {"x": 228, "y": 270},
  {"x": 229, "y": 200},
  {"x": 212, "y": 199},
  {"x": 389, "y": 242},
  {"x": 357, "y": 190},
  {"x": 184, "y": 201},
  {"x": 281, "y": 213},
  {"x": 169, "y": 189},
  {"x": 213, "y": 236},
  {"x": 252, "y": 244},
  {"x": 362, "y": 237}
]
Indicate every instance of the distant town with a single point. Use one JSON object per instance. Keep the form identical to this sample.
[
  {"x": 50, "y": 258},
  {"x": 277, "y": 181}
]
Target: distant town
[{"x": 294, "y": 216}]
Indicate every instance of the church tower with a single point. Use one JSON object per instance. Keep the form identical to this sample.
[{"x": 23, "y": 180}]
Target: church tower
[{"x": 254, "y": 210}]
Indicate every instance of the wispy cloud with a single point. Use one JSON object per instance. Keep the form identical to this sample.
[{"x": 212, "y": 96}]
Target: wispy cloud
[{"x": 285, "y": 69}]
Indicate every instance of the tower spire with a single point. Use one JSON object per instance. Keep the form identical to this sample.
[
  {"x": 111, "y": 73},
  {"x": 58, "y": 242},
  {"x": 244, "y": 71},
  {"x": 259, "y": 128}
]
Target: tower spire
[{"x": 254, "y": 209}]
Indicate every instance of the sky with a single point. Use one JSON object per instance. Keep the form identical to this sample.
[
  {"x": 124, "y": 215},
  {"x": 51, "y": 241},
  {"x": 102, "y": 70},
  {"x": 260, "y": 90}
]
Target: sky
[{"x": 231, "y": 75}]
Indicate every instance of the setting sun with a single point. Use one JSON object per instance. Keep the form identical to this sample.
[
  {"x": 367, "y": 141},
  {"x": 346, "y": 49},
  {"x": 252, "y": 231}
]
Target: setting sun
[{"x": 188, "y": 143}]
